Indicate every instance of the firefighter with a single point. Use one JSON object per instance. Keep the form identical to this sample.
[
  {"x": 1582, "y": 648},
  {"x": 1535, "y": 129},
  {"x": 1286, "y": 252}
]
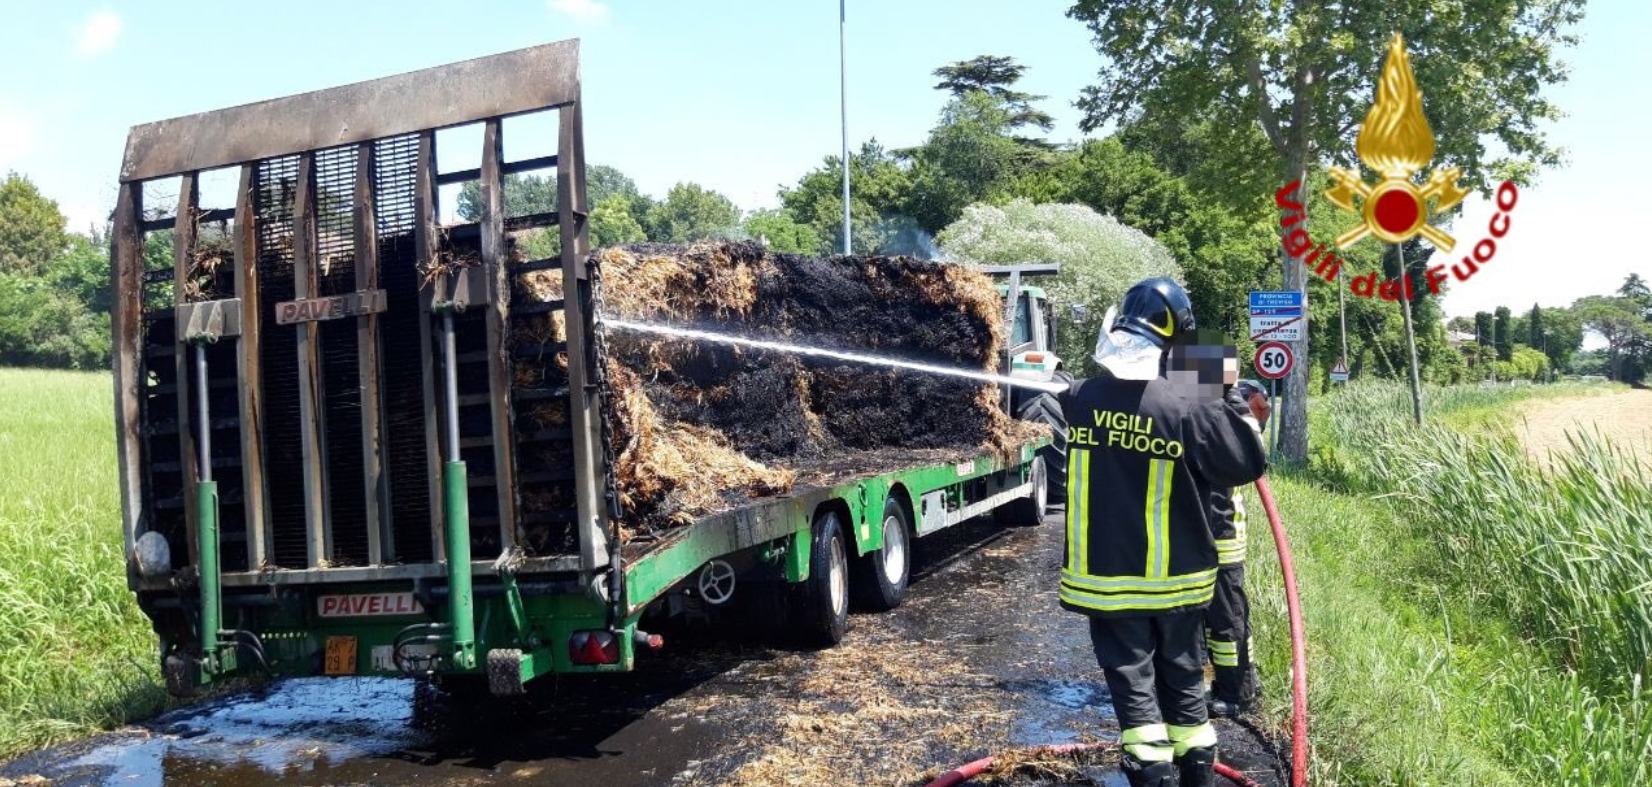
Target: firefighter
[
  {"x": 1227, "y": 620},
  {"x": 1144, "y": 452}
]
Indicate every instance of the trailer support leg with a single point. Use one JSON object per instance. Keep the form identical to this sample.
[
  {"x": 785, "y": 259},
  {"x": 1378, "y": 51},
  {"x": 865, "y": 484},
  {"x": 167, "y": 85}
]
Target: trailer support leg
[
  {"x": 461, "y": 602},
  {"x": 206, "y": 506}
]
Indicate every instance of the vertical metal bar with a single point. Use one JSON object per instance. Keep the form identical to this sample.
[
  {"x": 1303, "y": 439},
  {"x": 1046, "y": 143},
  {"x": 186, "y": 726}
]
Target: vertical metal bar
[
  {"x": 249, "y": 383},
  {"x": 366, "y": 237},
  {"x": 585, "y": 416},
  {"x": 843, "y": 87},
  {"x": 317, "y": 526},
  {"x": 206, "y": 507},
  {"x": 498, "y": 327},
  {"x": 183, "y": 263},
  {"x": 424, "y": 245},
  {"x": 126, "y": 351}
]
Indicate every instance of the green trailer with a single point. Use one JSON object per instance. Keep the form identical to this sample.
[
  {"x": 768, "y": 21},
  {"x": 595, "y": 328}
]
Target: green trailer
[{"x": 319, "y": 432}]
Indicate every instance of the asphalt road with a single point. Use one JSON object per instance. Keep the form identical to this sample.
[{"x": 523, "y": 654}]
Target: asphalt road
[{"x": 978, "y": 660}]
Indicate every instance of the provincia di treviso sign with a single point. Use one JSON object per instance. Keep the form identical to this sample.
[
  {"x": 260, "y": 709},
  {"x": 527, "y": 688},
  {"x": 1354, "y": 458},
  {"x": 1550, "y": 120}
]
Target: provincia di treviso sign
[{"x": 1396, "y": 143}]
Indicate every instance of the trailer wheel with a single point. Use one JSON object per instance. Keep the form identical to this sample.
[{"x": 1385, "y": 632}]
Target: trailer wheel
[
  {"x": 820, "y": 612},
  {"x": 180, "y": 673},
  {"x": 1028, "y": 511},
  {"x": 1046, "y": 409},
  {"x": 881, "y": 576}
]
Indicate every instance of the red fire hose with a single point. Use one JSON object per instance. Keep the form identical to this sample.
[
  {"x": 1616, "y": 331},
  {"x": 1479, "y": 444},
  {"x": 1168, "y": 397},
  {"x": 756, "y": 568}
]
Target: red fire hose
[{"x": 1299, "y": 679}]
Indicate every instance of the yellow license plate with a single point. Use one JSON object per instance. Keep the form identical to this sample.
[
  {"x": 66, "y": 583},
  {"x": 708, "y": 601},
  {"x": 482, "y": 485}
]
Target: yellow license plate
[{"x": 341, "y": 656}]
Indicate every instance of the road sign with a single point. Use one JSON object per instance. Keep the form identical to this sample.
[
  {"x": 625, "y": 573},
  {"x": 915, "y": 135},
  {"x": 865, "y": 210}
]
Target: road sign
[
  {"x": 1339, "y": 372},
  {"x": 1274, "y": 360},
  {"x": 1278, "y": 316}
]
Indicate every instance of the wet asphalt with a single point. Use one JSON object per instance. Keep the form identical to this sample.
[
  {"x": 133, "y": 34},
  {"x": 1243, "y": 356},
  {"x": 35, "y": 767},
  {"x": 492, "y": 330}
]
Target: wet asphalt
[{"x": 978, "y": 660}]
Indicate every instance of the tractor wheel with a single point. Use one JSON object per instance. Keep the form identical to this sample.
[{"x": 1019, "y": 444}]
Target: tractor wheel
[
  {"x": 1046, "y": 409},
  {"x": 881, "y": 576},
  {"x": 820, "y": 604}
]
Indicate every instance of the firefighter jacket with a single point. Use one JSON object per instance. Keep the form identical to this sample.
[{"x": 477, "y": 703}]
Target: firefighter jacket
[
  {"x": 1142, "y": 461},
  {"x": 1227, "y": 525}
]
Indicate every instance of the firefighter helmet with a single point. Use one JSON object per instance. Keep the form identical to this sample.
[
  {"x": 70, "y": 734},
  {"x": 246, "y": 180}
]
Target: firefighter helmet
[{"x": 1157, "y": 310}]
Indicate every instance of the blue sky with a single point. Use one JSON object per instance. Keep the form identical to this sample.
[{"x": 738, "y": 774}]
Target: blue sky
[{"x": 740, "y": 96}]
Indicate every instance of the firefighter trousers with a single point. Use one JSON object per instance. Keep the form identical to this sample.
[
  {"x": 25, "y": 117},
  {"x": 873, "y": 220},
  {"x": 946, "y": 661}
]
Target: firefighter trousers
[
  {"x": 1227, "y": 635},
  {"x": 1154, "y": 667}
]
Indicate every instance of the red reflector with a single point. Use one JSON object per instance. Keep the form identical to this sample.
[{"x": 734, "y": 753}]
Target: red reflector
[
  {"x": 1035, "y": 357},
  {"x": 593, "y": 647}
]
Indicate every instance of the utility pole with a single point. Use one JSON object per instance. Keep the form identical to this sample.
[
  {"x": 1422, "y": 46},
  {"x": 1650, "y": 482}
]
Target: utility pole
[
  {"x": 843, "y": 84},
  {"x": 1342, "y": 315},
  {"x": 1410, "y": 334}
]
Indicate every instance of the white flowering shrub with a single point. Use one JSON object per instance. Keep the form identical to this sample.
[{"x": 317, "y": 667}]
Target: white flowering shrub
[{"x": 1100, "y": 258}]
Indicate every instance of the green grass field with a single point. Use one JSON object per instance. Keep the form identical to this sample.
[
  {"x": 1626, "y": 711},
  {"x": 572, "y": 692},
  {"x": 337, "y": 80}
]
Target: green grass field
[
  {"x": 1473, "y": 618},
  {"x": 76, "y": 655}
]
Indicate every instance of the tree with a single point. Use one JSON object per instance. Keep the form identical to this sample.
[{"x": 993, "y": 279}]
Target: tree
[
  {"x": 1505, "y": 335},
  {"x": 1304, "y": 73},
  {"x": 524, "y": 195},
  {"x": 31, "y": 228},
  {"x": 1534, "y": 329},
  {"x": 996, "y": 77},
  {"x": 1618, "y": 321},
  {"x": 603, "y": 182},
  {"x": 691, "y": 212},
  {"x": 1460, "y": 325},
  {"x": 1100, "y": 258},
  {"x": 780, "y": 232},
  {"x": 1638, "y": 351},
  {"x": 1564, "y": 331},
  {"x": 1483, "y": 332},
  {"x": 612, "y": 222},
  {"x": 879, "y": 188},
  {"x": 969, "y": 157}
]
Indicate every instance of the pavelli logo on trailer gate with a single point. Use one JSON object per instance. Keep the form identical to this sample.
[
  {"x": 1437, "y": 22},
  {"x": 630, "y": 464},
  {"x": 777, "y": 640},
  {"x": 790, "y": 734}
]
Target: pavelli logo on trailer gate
[{"x": 1395, "y": 142}]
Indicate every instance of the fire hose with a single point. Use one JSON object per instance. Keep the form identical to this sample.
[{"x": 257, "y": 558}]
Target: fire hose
[{"x": 1299, "y": 679}]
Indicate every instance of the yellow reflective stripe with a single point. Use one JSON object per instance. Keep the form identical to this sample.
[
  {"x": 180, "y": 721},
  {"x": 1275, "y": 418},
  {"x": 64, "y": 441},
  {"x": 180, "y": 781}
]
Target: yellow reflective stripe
[
  {"x": 1116, "y": 603},
  {"x": 1084, "y": 506},
  {"x": 1074, "y": 524},
  {"x": 1224, "y": 660},
  {"x": 1169, "y": 474},
  {"x": 1159, "y": 477},
  {"x": 1147, "y": 733},
  {"x": 1185, "y": 739},
  {"x": 1143, "y": 584}
]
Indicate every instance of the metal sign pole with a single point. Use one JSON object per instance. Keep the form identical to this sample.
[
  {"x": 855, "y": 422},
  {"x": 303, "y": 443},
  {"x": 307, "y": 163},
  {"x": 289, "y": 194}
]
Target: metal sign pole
[{"x": 1273, "y": 432}]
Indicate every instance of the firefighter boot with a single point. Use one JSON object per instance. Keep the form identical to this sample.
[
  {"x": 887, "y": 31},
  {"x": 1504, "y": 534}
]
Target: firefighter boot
[
  {"x": 1198, "y": 767},
  {"x": 1194, "y": 749},
  {"x": 1147, "y": 774},
  {"x": 1148, "y": 756}
]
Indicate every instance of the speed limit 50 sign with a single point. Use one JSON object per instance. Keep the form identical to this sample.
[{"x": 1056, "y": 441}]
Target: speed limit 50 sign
[{"x": 1274, "y": 360}]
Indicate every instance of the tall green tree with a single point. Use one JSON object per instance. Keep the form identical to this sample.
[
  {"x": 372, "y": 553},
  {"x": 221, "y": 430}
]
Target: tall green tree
[
  {"x": 969, "y": 157},
  {"x": 1483, "y": 331},
  {"x": 524, "y": 195},
  {"x": 31, "y": 227},
  {"x": 1535, "y": 337},
  {"x": 1505, "y": 334},
  {"x": 879, "y": 188},
  {"x": 996, "y": 77},
  {"x": 780, "y": 232},
  {"x": 1304, "y": 73},
  {"x": 691, "y": 212},
  {"x": 1618, "y": 320}
]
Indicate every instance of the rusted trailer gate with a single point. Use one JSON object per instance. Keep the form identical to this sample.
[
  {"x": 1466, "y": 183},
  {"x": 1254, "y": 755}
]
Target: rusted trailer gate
[{"x": 315, "y": 400}]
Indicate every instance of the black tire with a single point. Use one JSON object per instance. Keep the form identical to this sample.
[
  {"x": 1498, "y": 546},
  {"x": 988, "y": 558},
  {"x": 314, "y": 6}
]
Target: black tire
[
  {"x": 1028, "y": 511},
  {"x": 881, "y": 576},
  {"x": 820, "y": 604},
  {"x": 1046, "y": 409}
]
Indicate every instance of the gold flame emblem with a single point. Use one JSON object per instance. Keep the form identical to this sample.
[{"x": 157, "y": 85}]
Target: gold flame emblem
[{"x": 1396, "y": 142}]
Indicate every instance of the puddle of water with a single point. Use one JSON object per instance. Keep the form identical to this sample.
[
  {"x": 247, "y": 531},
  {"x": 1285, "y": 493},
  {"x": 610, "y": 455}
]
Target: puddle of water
[
  {"x": 294, "y": 727},
  {"x": 1057, "y": 710}
]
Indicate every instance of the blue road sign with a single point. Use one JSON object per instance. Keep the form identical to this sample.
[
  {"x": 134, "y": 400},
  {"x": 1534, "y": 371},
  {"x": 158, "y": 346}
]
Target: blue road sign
[{"x": 1288, "y": 299}]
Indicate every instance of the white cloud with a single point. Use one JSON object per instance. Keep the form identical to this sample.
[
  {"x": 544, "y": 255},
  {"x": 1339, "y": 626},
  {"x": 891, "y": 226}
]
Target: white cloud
[
  {"x": 583, "y": 10},
  {"x": 98, "y": 34},
  {"x": 17, "y": 136}
]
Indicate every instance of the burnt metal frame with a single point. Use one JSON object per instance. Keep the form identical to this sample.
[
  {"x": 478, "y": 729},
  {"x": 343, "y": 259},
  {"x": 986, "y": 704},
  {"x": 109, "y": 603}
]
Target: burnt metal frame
[{"x": 485, "y": 90}]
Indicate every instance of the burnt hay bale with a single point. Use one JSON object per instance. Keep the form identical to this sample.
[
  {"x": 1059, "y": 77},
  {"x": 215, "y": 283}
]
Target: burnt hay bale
[{"x": 702, "y": 427}]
